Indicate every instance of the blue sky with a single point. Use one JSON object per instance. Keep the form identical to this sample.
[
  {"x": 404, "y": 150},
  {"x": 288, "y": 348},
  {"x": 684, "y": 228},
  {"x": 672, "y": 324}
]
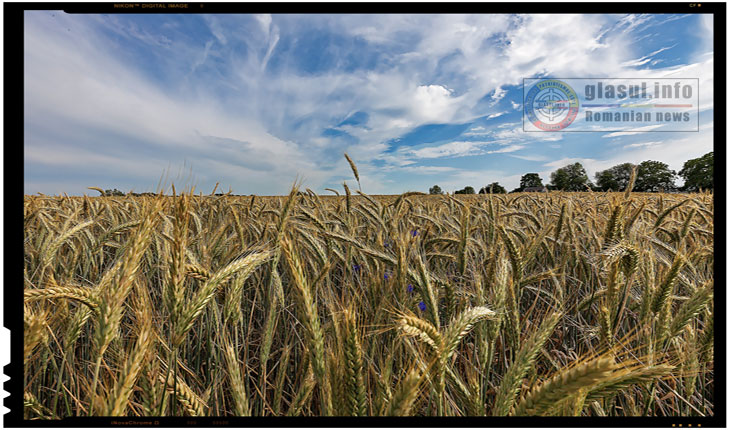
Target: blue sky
[{"x": 257, "y": 101}]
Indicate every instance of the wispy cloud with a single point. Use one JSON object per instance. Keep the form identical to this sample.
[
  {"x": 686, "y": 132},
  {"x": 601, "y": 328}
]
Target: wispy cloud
[
  {"x": 451, "y": 149},
  {"x": 255, "y": 100},
  {"x": 530, "y": 157},
  {"x": 638, "y": 130},
  {"x": 642, "y": 144},
  {"x": 509, "y": 148}
]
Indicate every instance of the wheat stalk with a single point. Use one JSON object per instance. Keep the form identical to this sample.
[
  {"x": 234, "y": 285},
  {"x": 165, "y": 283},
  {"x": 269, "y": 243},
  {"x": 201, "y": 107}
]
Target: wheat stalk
[
  {"x": 238, "y": 388},
  {"x": 354, "y": 169},
  {"x": 195, "y": 307},
  {"x": 405, "y": 395},
  {"x": 565, "y": 384},
  {"x": 133, "y": 365},
  {"x": 523, "y": 362},
  {"x": 83, "y": 295}
]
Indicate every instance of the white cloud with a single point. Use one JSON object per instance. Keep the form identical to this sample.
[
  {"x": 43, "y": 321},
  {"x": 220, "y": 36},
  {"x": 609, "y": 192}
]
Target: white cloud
[
  {"x": 433, "y": 103},
  {"x": 530, "y": 157},
  {"x": 642, "y": 144},
  {"x": 273, "y": 40},
  {"x": 508, "y": 148},
  {"x": 50, "y": 154},
  {"x": 498, "y": 95},
  {"x": 645, "y": 59},
  {"x": 517, "y": 134},
  {"x": 556, "y": 164},
  {"x": 451, "y": 149},
  {"x": 428, "y": 170},
  {"x": 430, "y": 69},
  {"x": 639, "y": 130},
  {"x": 78, "y": 85},
  {"x": 204, "y": 56},
  {"x": 265, "y": 22},
  {"x": 215, "y": 28}
]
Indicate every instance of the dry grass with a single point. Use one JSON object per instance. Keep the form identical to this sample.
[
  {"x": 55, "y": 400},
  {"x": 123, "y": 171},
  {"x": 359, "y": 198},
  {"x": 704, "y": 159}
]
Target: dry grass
[{"x": 529, "y": 304}]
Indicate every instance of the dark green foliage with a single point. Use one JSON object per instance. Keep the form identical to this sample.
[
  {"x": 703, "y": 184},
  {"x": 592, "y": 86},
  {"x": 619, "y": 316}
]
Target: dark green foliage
[
  {"x": 493, "y": 188},
  {"x": 435, "y": 190},
  {"x": 698, "y": 173},
  {"x": 466, "y": 190},
  {"x": 654, "y": 176},
  {"x": 572, "y": 177},
  {"x": 114, "y": 192},
  {"x": 616, "y": 178},
  {"x": 530, "y": 180}
]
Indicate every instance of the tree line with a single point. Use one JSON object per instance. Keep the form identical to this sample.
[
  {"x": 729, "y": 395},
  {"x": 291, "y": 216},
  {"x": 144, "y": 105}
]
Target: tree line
[{"x": 651, "y": 176}]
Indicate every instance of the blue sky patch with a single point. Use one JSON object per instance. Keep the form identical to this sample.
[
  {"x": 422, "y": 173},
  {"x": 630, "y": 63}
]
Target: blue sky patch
[{"x": 256, "y": 101}]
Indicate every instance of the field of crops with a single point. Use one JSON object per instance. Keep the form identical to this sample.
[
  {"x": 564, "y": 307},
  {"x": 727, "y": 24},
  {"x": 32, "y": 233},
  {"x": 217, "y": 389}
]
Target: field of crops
[{"x": 579, "y": 304}]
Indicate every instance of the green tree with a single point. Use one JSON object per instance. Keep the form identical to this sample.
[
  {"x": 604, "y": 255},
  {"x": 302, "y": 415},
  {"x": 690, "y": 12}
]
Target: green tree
[
  {"x": 530, "y": 180},
  {"x": 493, "y": 188},
  {"x": 466, "y": 190},
  {"x": 698, "y": 173},
  {"x": 572, "y": 177},
  {"x": 114, "y": 192},
  {"x": 616, "y": 178},
  {"x": 653, "y": 176},
  {"x": 435, "y": 190}
]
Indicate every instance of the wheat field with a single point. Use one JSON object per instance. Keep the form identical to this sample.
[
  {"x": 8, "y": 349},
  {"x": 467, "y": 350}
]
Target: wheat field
[{"x": 568, "y": 304}]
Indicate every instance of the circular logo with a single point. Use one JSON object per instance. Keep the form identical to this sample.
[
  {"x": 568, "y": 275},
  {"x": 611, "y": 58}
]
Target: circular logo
[{"x": 551, "y": 105}]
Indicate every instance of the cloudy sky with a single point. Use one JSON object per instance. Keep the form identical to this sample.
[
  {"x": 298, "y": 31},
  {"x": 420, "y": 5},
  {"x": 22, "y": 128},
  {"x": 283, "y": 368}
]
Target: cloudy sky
[{"x": 257, "y": 101}]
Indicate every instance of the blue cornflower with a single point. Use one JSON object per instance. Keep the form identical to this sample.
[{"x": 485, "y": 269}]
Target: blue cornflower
[
  {"x": 421, "y": 306},
  {"x": 386, "y": 276},
  {"x": 387, "y": 244},
  {"x": 414, "y": 233},
  {"x": 356, "y": 267},
  {"x": 410, "y": 288}
]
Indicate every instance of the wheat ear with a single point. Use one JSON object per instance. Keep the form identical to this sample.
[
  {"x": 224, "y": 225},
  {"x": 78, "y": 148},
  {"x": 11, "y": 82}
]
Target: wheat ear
[
  {"x": 191, "y": 402},
  {"x": 83, "y": 295},
  {"x": 308, "y": 307},
  {"x": 565, "y": 384},
  {"x": 133, "y": 365},
  {"x": 238, "y": 389},
  {"x": 195, "y": 307},
  {"x": 423, "y": 330},
  {"x": 405, "y": 395},
  {"x": 354, "y": 169},
  {"x": 460, "y": 327},
  {"x": 354, "y": 380},
  {"x": 523, "y": 362}
]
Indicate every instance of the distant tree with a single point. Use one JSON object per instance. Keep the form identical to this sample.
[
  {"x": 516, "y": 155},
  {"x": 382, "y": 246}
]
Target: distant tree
[
  {"x": 114, "y": 192},
  {"x": 653, "y": 176},
  {"x": 466, "y": 190},
  {"x": 698, "y": 173},
  {"x": 435, "y": 190},
  {"x": 530, "y": 180},
  {"x": 572, "y": 177},
  {"x": 616, "y": 178},
  {"x": 494, "y": 187}
]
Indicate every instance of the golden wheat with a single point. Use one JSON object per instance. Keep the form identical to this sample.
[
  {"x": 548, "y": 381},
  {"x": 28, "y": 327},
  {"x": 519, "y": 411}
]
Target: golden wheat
[{"x": 217, "y": 305}]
